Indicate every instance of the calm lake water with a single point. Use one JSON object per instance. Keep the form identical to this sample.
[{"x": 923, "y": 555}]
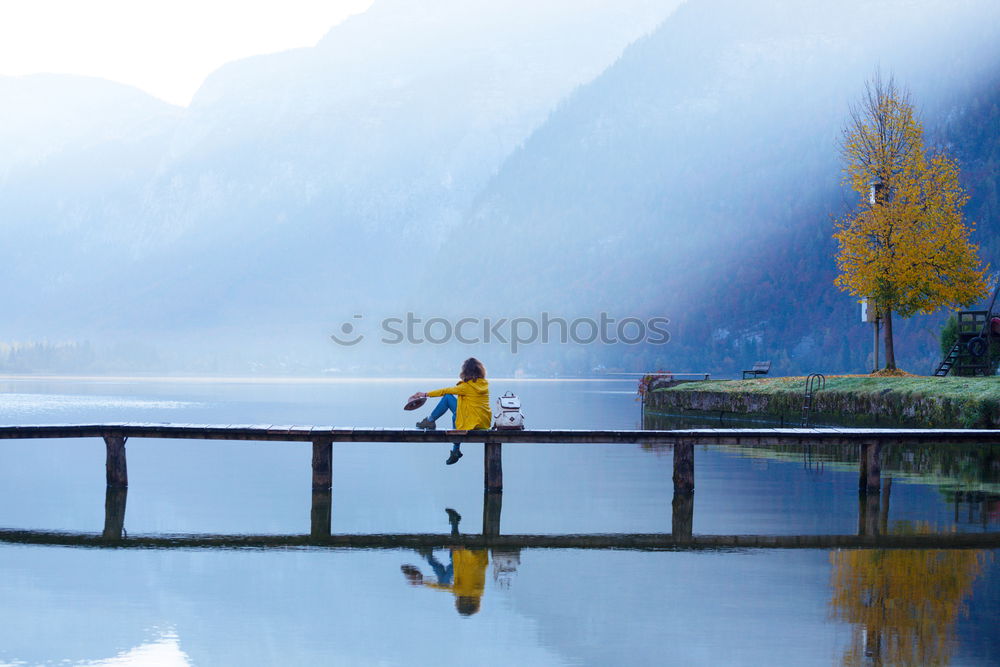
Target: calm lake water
[{"x": 305, "y": 606}]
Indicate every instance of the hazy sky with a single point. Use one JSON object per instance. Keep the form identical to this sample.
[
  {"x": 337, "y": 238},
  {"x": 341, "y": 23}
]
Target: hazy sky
[{"x": 165, "y": 47}]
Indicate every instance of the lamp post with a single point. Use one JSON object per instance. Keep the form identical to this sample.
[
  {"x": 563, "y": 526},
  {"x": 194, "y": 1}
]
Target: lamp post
[
  {"x": 869, "y": 309},
  {"x": 869, "y": 313}
]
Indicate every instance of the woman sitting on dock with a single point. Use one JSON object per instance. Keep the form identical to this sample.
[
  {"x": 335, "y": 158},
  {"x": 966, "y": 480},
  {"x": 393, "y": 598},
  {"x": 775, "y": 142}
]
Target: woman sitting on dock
[{"x": 468, "y": 401}]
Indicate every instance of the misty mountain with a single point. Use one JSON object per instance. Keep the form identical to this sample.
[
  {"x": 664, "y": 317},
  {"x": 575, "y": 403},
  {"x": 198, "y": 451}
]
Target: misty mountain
[
  {"x": 46, "y": 115},
  {"x": 292, "y": 176},
  {"x": 77, "y": 155},
  {"x": 475, "y": 159},
  {"x": 699, "y": 176}
]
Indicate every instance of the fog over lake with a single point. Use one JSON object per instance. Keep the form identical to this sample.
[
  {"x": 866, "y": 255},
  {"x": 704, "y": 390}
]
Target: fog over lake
[{"x": 640, "y": 159}]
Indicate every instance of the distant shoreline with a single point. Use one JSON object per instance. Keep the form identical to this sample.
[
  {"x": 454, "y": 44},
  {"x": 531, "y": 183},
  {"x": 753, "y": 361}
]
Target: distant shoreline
[{"x": 236, "y": 379}]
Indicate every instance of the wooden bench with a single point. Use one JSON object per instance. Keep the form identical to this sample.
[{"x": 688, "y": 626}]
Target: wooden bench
[{"x": 759, "y": 368}]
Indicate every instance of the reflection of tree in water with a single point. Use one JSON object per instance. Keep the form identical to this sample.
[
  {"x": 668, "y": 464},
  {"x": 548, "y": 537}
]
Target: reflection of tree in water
[{"x": 903, "y": 604}]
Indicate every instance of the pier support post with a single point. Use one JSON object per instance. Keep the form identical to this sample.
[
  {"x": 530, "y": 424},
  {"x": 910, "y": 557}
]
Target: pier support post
[
  {"x": 322, "y": 483},
  {"x": 683, "y": 503},
  {"x": 683, "y": 516},
  {"x": 870, "y": 473},
  {"x": 868, "y": 514},
  {"x": 683, "y": 467},
  {"x": 492, "y": 506},
  {"x": 322, "y": 465},
  {"x": 114, "y": 512},
  {"x": 320, "y": 515},
  {"x": 116, "y": 465},
  {"x": 883, "y": 515},
  {"x": 492, "y": 467}
]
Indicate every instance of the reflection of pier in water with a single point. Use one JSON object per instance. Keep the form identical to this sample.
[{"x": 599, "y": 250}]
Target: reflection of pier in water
[
  {"x": 967, "y": 475},
  {"x": 631, "y": 542},
  {"x": 872, "y": 534},
  {"x": 872, "y": 506}
]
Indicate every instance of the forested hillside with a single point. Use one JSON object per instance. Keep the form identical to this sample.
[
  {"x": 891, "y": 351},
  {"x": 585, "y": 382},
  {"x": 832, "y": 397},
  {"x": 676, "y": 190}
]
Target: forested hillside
[{"x": 699, "y": 179}]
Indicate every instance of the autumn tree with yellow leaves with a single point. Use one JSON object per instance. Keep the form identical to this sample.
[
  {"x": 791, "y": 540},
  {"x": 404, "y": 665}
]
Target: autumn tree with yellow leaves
[{"x": 906, "y": 246}]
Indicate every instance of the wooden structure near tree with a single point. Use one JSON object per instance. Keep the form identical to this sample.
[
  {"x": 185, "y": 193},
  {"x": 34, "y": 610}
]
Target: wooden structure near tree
[{"x": 977, "y": 336}]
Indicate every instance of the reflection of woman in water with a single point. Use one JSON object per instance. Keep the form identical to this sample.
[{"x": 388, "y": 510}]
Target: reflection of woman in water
[
  {"x": 468, "y": 401},
  {"x": 464, "y": 576}
]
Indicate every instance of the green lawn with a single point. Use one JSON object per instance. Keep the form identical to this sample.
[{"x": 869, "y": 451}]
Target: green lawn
[
  {"x": 955, "y": 388},
  {"x": 857, "y": 399}
]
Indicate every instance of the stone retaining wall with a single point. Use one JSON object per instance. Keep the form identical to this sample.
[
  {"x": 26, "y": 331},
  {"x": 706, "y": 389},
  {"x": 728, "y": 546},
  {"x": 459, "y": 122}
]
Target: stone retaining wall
[{"x": 886, "y": 407}]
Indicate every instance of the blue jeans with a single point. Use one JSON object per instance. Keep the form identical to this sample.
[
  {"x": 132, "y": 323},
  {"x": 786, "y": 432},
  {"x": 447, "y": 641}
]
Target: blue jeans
[
  {"x": 447, "y": 402},
  {"x": 443, "y": 574}
]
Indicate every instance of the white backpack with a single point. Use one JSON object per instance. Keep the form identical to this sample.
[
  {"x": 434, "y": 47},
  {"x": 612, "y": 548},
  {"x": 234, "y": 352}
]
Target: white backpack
[{"x": 509, "y": 417}]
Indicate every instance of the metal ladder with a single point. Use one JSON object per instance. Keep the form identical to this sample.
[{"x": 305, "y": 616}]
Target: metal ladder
[
  {"x": 948, "y": 361},
  {"x": 814, "y": 382}
]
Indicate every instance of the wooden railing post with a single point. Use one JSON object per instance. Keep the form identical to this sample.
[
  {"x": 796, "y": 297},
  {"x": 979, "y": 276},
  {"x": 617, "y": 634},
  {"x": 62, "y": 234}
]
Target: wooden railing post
[
  {"x": 322, "y": 464},
  {"x": 114, "y": 512},
  {"x": 116, "y": 466},
  {"x": 870, "y": 473},
  {"x": 492, "y": 467}
]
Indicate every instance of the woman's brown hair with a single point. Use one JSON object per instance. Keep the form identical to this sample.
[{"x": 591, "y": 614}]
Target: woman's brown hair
[{"x": 472, "y": 369}]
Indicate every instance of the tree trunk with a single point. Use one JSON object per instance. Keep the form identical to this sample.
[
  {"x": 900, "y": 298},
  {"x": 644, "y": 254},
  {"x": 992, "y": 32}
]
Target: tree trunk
[{"x": 890, "y": 353}]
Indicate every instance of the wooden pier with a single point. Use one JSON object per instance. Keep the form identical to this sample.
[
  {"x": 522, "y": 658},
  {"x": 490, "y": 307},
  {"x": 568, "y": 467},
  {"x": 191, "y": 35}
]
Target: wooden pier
[
  {"x": 870, "y": 442},
  {"x": 322, "y": 438}
]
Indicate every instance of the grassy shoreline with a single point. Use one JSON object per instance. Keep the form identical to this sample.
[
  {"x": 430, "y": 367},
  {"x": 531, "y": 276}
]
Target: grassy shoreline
[{"x": 910, "y": 400}]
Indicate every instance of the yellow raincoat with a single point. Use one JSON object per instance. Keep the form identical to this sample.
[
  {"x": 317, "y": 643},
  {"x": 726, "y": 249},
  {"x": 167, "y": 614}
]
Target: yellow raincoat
[
  {"x": 469, "y": 574},
  {"x": 473, "y": 404}
]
